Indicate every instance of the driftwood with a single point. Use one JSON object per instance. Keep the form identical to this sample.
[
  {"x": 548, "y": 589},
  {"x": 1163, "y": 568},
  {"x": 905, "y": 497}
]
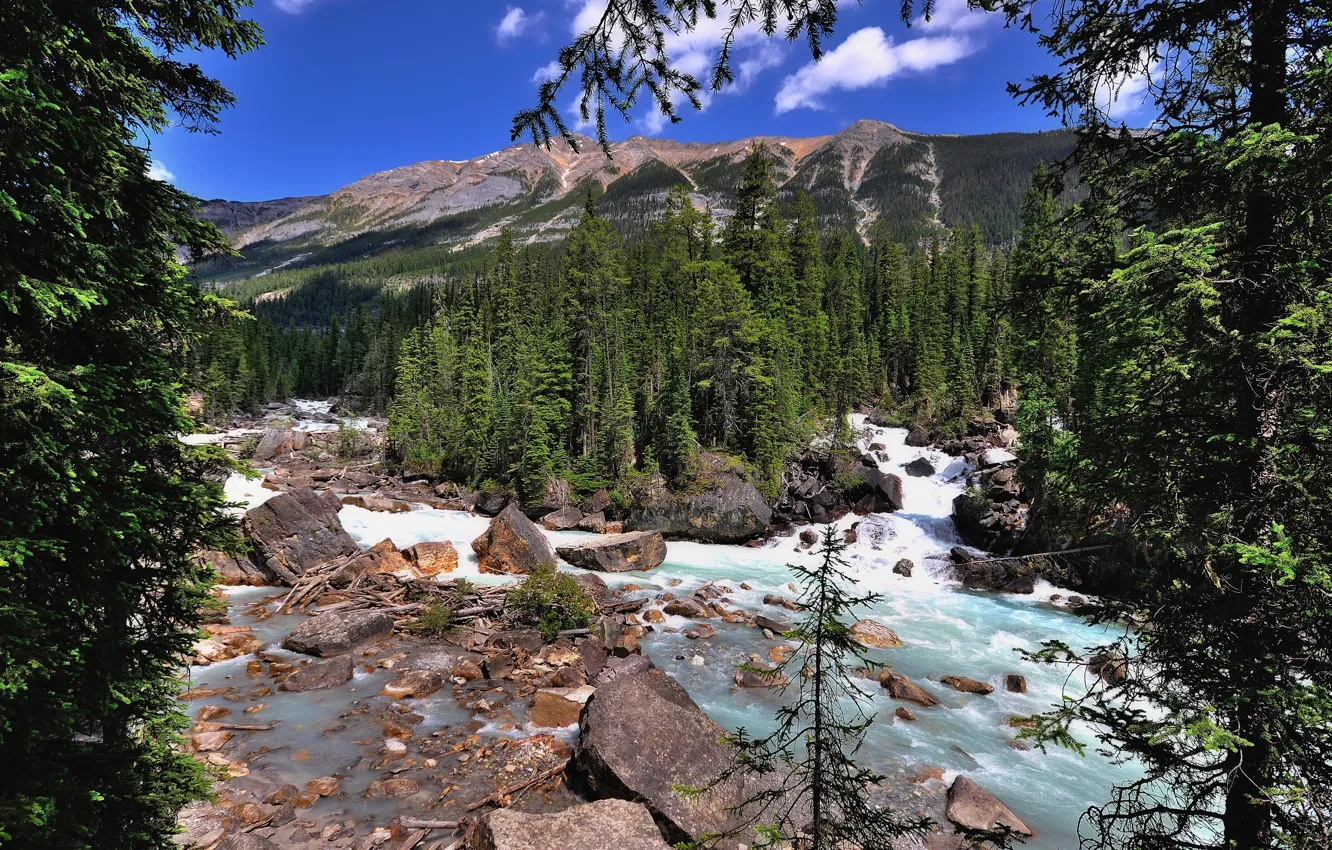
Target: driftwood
[
  {"x": 1035, "y": 555},
  {"x": 427, "y": 824},
  {"x": 242, "y": 727},
  {"x": 498, "y": 797}
]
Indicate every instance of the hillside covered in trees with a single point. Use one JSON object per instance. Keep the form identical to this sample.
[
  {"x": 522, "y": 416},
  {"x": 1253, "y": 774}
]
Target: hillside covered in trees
[{"x": 606, "y": 356}]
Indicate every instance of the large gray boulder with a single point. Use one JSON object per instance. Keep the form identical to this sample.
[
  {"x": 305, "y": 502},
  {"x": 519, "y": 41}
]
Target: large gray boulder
[
  {"x": 512, "y": 544},
  {"x": 729, "y": 509},
  {"x": 971, "y": 806},
  {"x": 617, "y": 553},
  {"x": 297, "y": 531},
  {"x": 602, "y": 825},
  {"x": 336, "y": 632},
  {"x": 640, "y": 736},
  {"x": 276, "y": 442},
  {"x": 875, "y": 491}
]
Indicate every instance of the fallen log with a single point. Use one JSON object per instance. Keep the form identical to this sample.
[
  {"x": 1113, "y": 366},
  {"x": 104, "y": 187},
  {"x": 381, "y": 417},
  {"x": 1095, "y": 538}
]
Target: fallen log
[
  {"x": 498, "y": 797},
  {"x": 426, "y": 823}
]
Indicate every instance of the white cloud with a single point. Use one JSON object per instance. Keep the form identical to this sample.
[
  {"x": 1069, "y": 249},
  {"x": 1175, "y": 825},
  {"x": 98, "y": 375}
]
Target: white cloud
[
  {"x": 1127, "y": 94},
  {"x": 954, "y": 16},
  {"x": 867, "y": 58},
  {"x": 513, "y": 24},
  {"x": 548, "y": 71},
  {"x": 294, "y": 7},
  {"x": 158, "y": 171}
]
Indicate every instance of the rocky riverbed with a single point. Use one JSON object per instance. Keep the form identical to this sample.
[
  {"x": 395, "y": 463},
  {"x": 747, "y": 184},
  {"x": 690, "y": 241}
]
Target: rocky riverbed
[{"x": 357, "y": 734}]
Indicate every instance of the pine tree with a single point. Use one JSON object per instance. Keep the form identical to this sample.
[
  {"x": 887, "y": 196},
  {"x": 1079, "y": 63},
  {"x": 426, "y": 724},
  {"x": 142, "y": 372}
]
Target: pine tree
[{"x": 817, "y": 796}]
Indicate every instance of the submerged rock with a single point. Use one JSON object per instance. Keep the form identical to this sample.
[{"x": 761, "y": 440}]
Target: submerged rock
[
  {"x": 587, "y": 826},
  {"x": 512, "y": 544},
  {"x": 297, "y": 531},
  {"x": 336, "y": 632},
  {"x": 875, "y": 635},
  {"x": 900, "y": 687},
  {"x": 967, "y": 685},
  {"x": 971, "y": 806},
  {"x": 318, "y": 675},
  {"x": 617, "y": 553}
]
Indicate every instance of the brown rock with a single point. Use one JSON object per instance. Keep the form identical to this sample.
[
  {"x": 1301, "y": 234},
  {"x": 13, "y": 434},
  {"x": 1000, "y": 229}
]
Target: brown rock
[
  {"x": 558, "y": 707},
  {"x": 432, "y": 558},
  {"x": 755, "y": 675},
  {"x": 875, "y": 635},
  {"x": 512, "y": 544},
  {"x": 703, "y": 631},
  {"x": 377, "y": 503},
  {"x": 1111, "y": 667},
  {"x": 210, "y": 742},
  {"x": 654, "y": 615},
  {"x": 324, "y": 786},
  {"x": 685, "y": 607},
  {"x": 466, "y": 669},
  {"x": 900, "y": 687},
  {"x": 397, "y": 786},
  {"x": 412, "y": 684},
  {"x": 972, "y": 807},
  {"x": 562, "y": 519},
  {"x": 212, "y": 712},
  {"x": 967, "y": 685},
  {"x": 1015, "y": 683},
  {"x": 335, "y": 632},
  {"x": 904, "y": 713},
  {"x": 383, "y": 557}
]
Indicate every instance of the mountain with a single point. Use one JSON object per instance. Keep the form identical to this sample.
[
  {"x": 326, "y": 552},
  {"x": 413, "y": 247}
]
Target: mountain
[{"x": 870, "y": 172}]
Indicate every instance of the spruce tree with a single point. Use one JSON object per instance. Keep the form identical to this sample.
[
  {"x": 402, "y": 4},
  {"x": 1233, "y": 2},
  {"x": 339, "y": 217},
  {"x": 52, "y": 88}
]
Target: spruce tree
[{"x": 102, "y": 508}]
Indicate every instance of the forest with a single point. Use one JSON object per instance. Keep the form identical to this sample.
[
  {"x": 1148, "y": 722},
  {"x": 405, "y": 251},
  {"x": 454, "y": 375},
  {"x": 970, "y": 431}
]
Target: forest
[{"x": 610, "y": 356}]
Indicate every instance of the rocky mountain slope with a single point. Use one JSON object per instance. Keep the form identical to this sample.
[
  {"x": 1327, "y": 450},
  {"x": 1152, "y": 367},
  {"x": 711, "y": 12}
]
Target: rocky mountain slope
[{"x": 870, "y": 172}]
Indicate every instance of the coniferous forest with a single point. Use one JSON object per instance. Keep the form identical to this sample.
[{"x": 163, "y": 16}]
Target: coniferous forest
[{"x": 606, "y": 355}]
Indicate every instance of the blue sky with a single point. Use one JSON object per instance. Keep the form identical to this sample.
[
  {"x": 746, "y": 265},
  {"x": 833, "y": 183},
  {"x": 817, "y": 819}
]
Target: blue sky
[{"x": 344, "y": 88}]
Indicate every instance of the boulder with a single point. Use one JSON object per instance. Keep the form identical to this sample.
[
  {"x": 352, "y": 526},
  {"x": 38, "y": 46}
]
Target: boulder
[
  {"x": 598, "y": 825},
  {"x": 874, "y": 635},
  {"x": 967, "y": 685},
  {"x": 918, "y": 436},
  {"x": 900, "y": 687},
  {"x": 728, "y": 510},
  {"x": 641, "y": 736},
  {"x": 775, "y": 626},
  {"x": 617, "y": 553},
  {"x": 336, "y": 632},
  {"x": 595, "y": 588},
  {"x": 318, "y": 675},
  {"x": 686, "y": 607},
  {"x": 904, "y": 567},
  {"x": 512, "y": 544},
  {"x": 875, "y": 491},
  {"x": 972, "y": 807},
  {"x": 1015, "y": 683},
  {"x": 919, "y": 468},
  {"x": 1110, "y": 667},
  {"x": 491, "y": 501},
  {"x": 757, "y": 675},
  {"x": 994, "y": 457},
  {"x": 245, "y": 841},
  {"x": 297, "y": 531},
  {"x": 563, "y": 519},
  {"x": 559, "y": 707},
  {"x": 432, "y": 558},
  {"x": 412, "y": 684},
  {"x": 595, "y": 523},
  {"x": 236, "y": 569},
  {"x": 277, "y": 442}
]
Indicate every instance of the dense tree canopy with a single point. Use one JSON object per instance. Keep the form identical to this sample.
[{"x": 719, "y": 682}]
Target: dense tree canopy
[{"x": 101, "y": 506}]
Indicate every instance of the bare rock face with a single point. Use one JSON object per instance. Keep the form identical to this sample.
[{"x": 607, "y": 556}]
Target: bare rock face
[
  {"x": 874, "y": 635},
  {"x": 971, "y": 806},
  {"x": 900, "y": 687},
  {"x": 336, "y": 632},
  {"x": 236, "y": 569},
  {"x": 246, "y": 841},
  {"x": 318, "y": 675},
  {"x": 587, "y": 826},
  {"x": 641, "y": 735},
  {"x": 617, "y": 553},
  {"x": 297, "y": 531},
  {"x": 729, "y": 510},
  {"x": 512, "y": 544}
]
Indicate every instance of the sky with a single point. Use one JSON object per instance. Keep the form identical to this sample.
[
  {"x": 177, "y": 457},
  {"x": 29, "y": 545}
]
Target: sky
[{"x": 345, "y": 88}]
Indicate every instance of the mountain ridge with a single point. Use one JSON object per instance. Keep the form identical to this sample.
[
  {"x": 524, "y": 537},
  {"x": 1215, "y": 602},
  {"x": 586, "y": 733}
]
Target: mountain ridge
[{"x": 870, "y": 172}]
